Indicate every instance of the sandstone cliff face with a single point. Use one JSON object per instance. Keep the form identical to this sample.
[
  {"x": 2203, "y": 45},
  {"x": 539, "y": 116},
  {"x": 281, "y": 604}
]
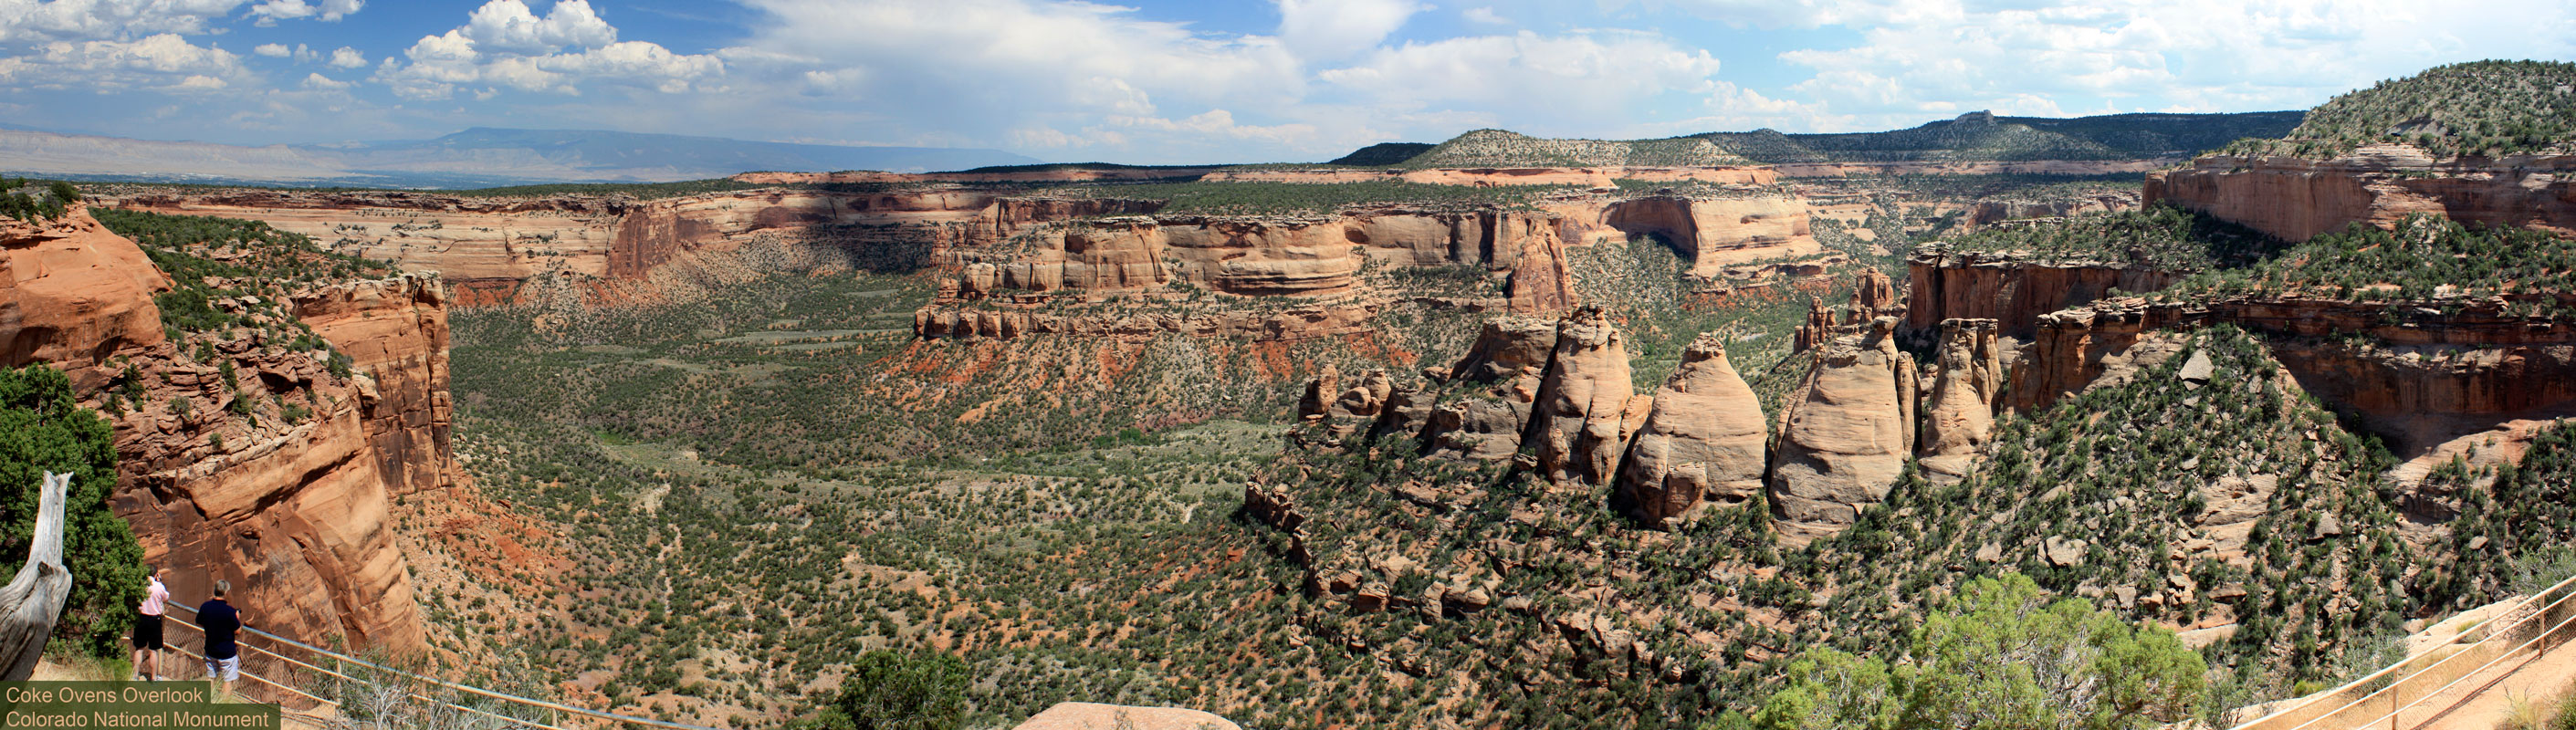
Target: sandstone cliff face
[
  {"x": 293, "y": 513},
  {"x": 1583, "y": 402},
  {"x": 269, "y": 478},
  {"x": 1511, "y": 356},
  {"x": 1492, "y": 176},
  {"x": 395, "y": 332},
  {"x": 1848, "y": 433},
  {"x": 2032, "y": 167},
  {"x": 2429, "y": 374},
  {"x": 1986, "y": 213},
  {"x": 1959, "y": 406},
  {"x": 486, "y": 247},
  {"x": 1168, "y": 259},
  {"x": 74, "y": 294},
  {"x": 2011, "y": 291},
  {"x": 2297, "y": 199},
  {"x": 1703, "y": 443},
  {"x": 1721, "y": 232}
]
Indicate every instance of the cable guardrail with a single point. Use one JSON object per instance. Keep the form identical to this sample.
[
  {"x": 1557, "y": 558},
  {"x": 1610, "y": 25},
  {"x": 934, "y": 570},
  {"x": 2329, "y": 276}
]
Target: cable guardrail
[
  {"x": 2504, "y": 626},
  {"x": 466, "y": 689}
]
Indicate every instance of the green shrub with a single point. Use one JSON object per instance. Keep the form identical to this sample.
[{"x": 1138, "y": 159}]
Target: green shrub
[{"x": 41, "y": 430}]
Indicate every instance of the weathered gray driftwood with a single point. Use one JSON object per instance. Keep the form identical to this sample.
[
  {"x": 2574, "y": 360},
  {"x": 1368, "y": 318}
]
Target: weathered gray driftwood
[{"x": 32, "y": 602}]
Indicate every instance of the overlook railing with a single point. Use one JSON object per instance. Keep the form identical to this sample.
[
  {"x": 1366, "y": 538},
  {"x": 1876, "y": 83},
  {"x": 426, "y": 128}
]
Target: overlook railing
[
  {"x": 266, "y": 665},
  {"x": 2543, "y": 621}
]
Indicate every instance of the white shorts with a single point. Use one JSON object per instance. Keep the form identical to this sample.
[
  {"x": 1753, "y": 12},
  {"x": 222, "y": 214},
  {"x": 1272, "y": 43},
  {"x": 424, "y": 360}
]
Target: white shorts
[{"x": 224, "y": 669}]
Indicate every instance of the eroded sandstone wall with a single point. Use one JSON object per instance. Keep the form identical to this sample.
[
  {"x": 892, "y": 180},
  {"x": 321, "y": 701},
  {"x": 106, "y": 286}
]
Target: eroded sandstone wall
[
  {"x": 395, "y": 331},
  {"x": 74, "y": 294},
  {"x": 287, "y": 502},
  {"x": 2296, "y": 199},
  {"x": 2013, "y": 292}
]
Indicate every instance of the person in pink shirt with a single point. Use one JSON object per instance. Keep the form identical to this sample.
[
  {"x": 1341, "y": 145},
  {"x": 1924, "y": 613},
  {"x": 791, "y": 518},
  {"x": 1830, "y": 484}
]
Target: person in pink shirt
[{"x": 147, "y": 627}]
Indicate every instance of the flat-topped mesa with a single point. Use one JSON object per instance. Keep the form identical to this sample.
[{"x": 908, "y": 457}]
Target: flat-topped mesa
[
  {"x": 2296, "y": 199},
  {"x": 486, "y": 247},
  {"x": 1959, "y": 406},
  {"x": 1606, "y": 176},
  {"x": 1848, "y": 432},
  {"x": 1319, "y": 258},
  {"x": 1703, "y": 443},
  {"x": 1583, "y": 402}
]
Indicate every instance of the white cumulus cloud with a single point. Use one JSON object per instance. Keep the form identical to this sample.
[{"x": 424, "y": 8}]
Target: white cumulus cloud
[
  {"x": 507, "y": 26},
  {"x": 273, "y": 50},
  {"x": 164, "y": 61},
  {"x": 38, "y": 20},
  {"x": 1330, "y": 29},
  {"x": 505, "y": 45},
  {"x": 1579, "y": 81},
  {"x": 346, "y": 57},
  {"x": 271, "y": 11}
]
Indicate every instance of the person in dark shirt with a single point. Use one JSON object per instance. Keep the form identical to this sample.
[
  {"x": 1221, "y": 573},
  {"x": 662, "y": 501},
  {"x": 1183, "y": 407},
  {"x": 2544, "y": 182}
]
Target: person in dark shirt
[{"x": 221, "y": 621}]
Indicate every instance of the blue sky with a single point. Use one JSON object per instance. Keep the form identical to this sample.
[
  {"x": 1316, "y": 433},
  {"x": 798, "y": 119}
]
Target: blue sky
[{"x": 1219, "y": 80}]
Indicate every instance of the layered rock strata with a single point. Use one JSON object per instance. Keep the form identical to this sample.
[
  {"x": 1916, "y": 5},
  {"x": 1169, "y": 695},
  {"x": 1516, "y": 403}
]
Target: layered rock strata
[
  {"x": 238, "y": 458},
  {"x": 395, "y": 331},
  {"x": 1988, "y": 213},
  {"x": 2296, "y": 199},
  {"x": 2011, "y": 290},
  {"x": 488, "y": 247},
  {"x": 1703, "y": 443}
]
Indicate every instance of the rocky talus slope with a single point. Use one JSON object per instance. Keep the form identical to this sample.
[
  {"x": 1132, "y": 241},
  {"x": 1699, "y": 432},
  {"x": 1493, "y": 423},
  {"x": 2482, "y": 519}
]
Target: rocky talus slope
[{"x": 241, "y": 456}]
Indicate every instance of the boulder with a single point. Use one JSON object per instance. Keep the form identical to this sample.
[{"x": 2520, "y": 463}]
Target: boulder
[{"x": 1095, "y": 716}]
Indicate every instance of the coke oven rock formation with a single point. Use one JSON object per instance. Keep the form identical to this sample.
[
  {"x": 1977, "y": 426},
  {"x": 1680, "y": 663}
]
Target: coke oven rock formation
[
  {"x": 1583, "y": 402},
  {"x": 1848, "y": 432},
  {"x": 1704, "y": 442},
  {"x": 1959, "y": 406}
]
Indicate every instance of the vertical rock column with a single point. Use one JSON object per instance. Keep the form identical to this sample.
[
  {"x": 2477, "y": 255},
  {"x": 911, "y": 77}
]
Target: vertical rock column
[
  {"x": 1702, "y": 443},
  {"x": 1959, "y": 410},
  {"x": 1848, "y": 433},
  {"x": 1583, "y": 401}
]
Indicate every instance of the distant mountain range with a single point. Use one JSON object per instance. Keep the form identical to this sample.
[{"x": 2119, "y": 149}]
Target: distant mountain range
[
  {"x": 477, "y": 157},
  {"x": 1972, "y": 137}
]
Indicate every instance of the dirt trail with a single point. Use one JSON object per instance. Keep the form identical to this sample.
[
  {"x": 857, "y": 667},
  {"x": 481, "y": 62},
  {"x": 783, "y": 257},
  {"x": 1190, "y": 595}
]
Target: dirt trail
[{"x": 2484, "y": 700}]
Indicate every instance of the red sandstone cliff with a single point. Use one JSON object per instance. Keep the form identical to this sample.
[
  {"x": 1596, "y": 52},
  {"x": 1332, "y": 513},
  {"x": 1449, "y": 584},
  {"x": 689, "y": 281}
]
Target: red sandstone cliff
[
  {"x": 2012, "y": 291},
  {"x": 271, "y": 478},
  {"x": 73, "y": 294},
  {"x": 395, "y": 332},
  {"x": 2296, "y": 199}
]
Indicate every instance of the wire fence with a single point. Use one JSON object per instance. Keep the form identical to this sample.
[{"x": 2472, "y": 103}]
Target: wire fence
[
  {"x": 355, "y": 692},
  {"x": 2380, "y": 699}
]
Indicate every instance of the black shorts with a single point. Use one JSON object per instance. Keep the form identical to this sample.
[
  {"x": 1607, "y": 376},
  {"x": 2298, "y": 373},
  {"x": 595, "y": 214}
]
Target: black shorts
[{"x": 147, "y": 632}]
